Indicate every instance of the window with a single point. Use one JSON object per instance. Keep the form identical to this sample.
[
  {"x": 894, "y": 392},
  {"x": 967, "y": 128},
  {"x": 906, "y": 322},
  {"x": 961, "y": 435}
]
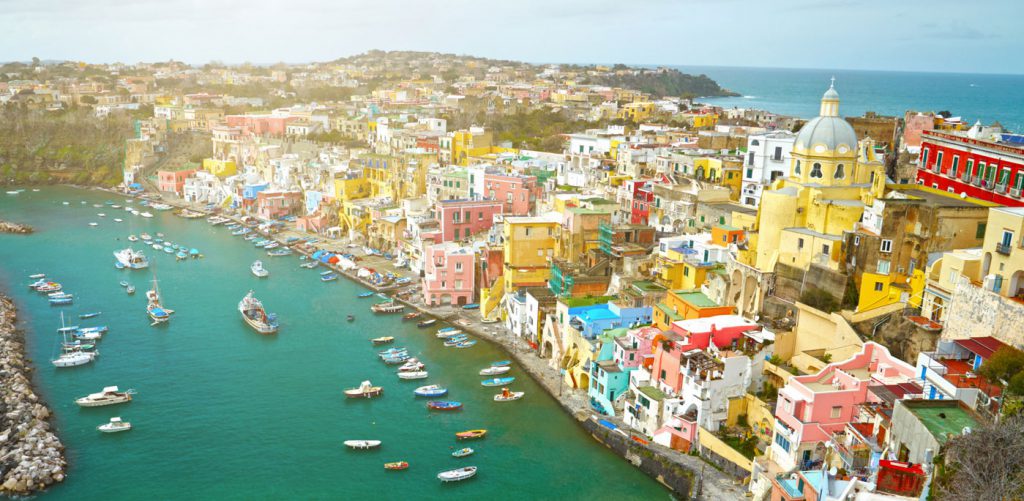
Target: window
[
  {"x": 458, "y": 284},
  {"x": 1007, "y": 238},
  {"x": 755, "y": 142},
  {"x": 953, "y": 274},
  {"x": 456, "y": 233},
  {"x": 458, "y": 266},
  {"x": 455, "y": 216},
  {"x": 816, "y": 170},
  {"x": 750, "y": 158},
  {"x": 924, "y": 158},
  {"x": 1019, "y": 180},
  {"x": 969, "y": 169},
  {"x": 686, "y": 271},
  {"x": 886, "y": 245},
  {"x": 955, "y": 166},
  {"x": 836, "y": 411},
  {"x": 856, "y": 240},
  {"x": 750, "y": 173},
  {"x": 980, "y": 232},
  {"x": 840, "y": 174},
  {"x": 799, "y": 243},
  {"x": 1004, "y": 177},
  {"x": 938, "y": 162},
  {"x": 469, "y": 216},
  {"x": 824, "y": 249},
  {"x": 527, "y": 231},
  {"x": 883, "y": 267},
  {"x": 879, "y": 286},
  {"x": 782, "y": 442},
  {"x": 778, "y": 153},
  {"x": 479, "y": 216},
  {"x": 796, "y": 171}
]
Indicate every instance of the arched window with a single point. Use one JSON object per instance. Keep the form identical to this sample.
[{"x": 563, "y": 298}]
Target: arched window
[
  {"x": 797, "y": 171},
  {"x": 755, "y": 142},
  {"x": 839, "y": 172},
  {"x": 816, "y": 170}
]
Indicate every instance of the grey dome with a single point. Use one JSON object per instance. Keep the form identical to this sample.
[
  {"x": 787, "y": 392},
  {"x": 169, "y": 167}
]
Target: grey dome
[
  {"x": 831, "y": 94},
  {"x": 829, "y": 131}
]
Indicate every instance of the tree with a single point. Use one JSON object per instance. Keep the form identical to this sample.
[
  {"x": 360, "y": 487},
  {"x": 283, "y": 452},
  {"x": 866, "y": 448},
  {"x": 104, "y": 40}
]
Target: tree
[
  {"x": 987, "y": 463},
  {"x": 1006, "y": 364}
]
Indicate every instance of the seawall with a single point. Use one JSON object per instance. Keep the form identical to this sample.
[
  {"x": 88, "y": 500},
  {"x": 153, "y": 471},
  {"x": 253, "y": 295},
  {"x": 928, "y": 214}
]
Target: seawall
[{"x": 31, "y": 455}]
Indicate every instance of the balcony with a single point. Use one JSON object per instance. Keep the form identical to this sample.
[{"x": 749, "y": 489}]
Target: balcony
[
  {"x": 976, "y": 181},
  {"x": 1003, "y": 249},
  {"x": 987, "y": 184},
  {"x": 1000, "y": 188},
  {"x": 1015, "y": 192}
]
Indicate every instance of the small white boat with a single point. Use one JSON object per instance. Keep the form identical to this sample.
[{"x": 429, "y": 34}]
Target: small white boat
[
  {"x": 109, "y": 396},
  {"x": 362, "y": 444},
  {"x": 101, "y": 214},
  {"x": 94, "y": 224},
  {"x": 258, "y": 269},
  {"x": 115, "y": 425},
  {"x": 457, "y": 474},
  {"x": 365, "y": 390},
  {"x": 412, "y": 365},
  {"x": 37, "y": 276},
  {"x": 132, "y": 238},
  {"x": 75, "y": 358},
  {"x": 118, "y": 220},
  {"x": 145, "y": 214},
  {"x": 508, "y": 396},
  {"x": 413, "y": 375},
  {"x": 494, "y": 371}
]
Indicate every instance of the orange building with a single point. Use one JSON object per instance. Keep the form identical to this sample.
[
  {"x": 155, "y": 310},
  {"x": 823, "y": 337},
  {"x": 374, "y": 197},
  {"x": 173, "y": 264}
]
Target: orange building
[{"x": 685, "y": 305}]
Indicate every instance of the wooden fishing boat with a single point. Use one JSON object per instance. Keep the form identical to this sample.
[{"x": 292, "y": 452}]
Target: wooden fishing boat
[
  {"x": 396, "y": 465},
  {"x": 463, "y": 452},
  {"x": 365, "y": 390},
  {"x": 426, "y": 323},
  {"x": 383, "y": 340},
  {"x": 444, "y": 405},
  {"x": 471, "y": 434},
  {"x": 411, "y": 316},
  {"x": 457, "y": 475}
]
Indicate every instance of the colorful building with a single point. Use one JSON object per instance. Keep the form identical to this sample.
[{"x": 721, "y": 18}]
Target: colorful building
[
  {"x": 461, "y": 219},
  {"x": 173, "y": 181},
  {"x": 990, "y": 170},
  {"x": 220, "y": 168},
  {"x": 529, "y": 244},
  {"x": 686, "y": 304},
  {"x": 518, "y": 193},
  {"x": 449, "y": 275}
]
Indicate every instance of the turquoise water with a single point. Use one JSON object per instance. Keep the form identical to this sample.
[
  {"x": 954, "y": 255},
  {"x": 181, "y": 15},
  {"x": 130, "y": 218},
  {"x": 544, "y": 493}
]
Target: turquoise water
[
  {"x": 797, "y": 92},
  {"x": 223, "y": 413}
]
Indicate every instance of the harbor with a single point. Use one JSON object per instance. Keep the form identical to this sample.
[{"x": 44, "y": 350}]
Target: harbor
[{"x": 211, "y": 391}]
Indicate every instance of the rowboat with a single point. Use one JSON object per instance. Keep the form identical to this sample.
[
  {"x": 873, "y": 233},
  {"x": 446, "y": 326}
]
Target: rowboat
[
  {"x": 426, "y": 323},
  {"x": 396, "y": 465},
  {"x": 508, "y": 396},
  {"x": 362, "y": 444},
  {"x": 397, "y": 359},
  {"x": 448, "y": 334},
  {"x": 410, "y": 316},
  {"x": 471, "y": 434},
  {"x": 444, "y": 405},
  {"x": 466, "y": 344},
  {"x": 463, "y": 452},
  {"x": 365, "y": 390},
  {"x": 365, "y": 294},
  {"x": 456, "y": 340},
  {"x": 328, "y": 277},
  {"x": 447, "y": 330},
  {"x": 392, "y": 352},
  {"x": 498, "y": 381},
  {"x": 495, "y": 371},
  {"x": 457, "y": 475},
  {"x": 383, "y": 340},
  {"x": 471, "y": 306},
  {"x": 432, "y": 390},
  {"x": 501, "y": 363},
  {"x": 413, "y": 375}
]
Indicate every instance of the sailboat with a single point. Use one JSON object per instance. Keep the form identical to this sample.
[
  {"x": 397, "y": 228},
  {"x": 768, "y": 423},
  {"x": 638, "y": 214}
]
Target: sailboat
[
  {"x": 157, "y": 313},
  {"x": 71, "y": 356}
]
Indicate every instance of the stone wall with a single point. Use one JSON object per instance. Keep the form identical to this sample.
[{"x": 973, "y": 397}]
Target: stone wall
[
  {"x": 974, "y": 312},
  {"x": 672, "y": 475}
]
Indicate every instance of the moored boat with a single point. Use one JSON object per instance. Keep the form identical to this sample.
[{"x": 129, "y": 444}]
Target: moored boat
[
  {"x": 396, "y": 465},
  {"x": 466, "y": 344},
  {"x": 449, "y": 333},
  {"x": 131, "y": 259},
  {"x": 471, "y": 306},
  {"x": 471, "y": 434},
  {"x": 365, "y": 390},
  {"x": 495, "y": 371},
  {"x": 365, "y": 294},
  {"x": 457, "y": 475},
  {"x": 89, "y": 315},
  {"x": 463, "y": 452},
  {"x": 362, "y": 444},
  {"x": 258, "y": 269},
  {"x": 501, "y": 363},
  {"x": 130, "y": 289},
  {"x": 426, "y": 323},
  {"x": 498, "y": 381},
  {"x": 383, "y": 340},
  {"x": 413, "y": 375},
  {"x": 508, "y": 396},
  {"x": 115, "y": 425},
  {"x": 412, "y": 365},
  {"x": 328, "y": 276},
  {"x": 411, "y": 316},
  {"x": 109, "y": 396},
  {"x": 387, "y": 308},
  {"x": 431, "y": 390},
  {"x": 444, "y": 405},
  {"x": 256, "y": 316}
]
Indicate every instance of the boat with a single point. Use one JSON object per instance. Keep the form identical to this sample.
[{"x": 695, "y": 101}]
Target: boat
[
  {"x": 498, "y": 381},
  {"x": 396, "y": 359},
  {"x": 37, "y": 276},
  {"x": 463, "y": 452},
  {"x": 411, "y": 316},
  {"x": 387, "y": 308},
  {"x": 101, "y": 214},
  {"x": 133, "y": 238},
  {"x": 362, "y": 444},
  {"x": 449, "y": 334},
  {"x": 109, "y": 396},
  {"x": 455, "y": 341},
  {"x": 258, "y": 269},
  {"x": 411, "y": 365},
  {"x": 457, "y": 475},
  {"x": 279, "y": 252},
  {"x": 508, "y": 396},
  {"x": 431, "y": 390},
  {"x": 145, "y": 236},
  {"x": 413, "y": 375},
  {"x": 49, "y": 287},
  {"x": 130, "y": 290},
  {"x": 256, "y": 316},
  {"x": 132, "y": 259},
  {"x": 78, "y": 345},
  {"x": 157, "y": 313},
  {"x": 495, "y": 371},
  {"x": 383, "y": 340},
  {"x": 118, "y": 220},
  {"x": 501, "y": 363},
  {"x": 471, "y": 306},
  {"x": 466, "y": 344},
  {"x": 329, "y": 276},
  {"x": 350, "y": 318},
  {"x": 310, "y": 265},
  {"x": 471, "y": 434},
  {"x": 99, "y": 328},
  {"x": 271, "y": 245},
  {"x": 145, "y": 214},
  {"x": 396, "y": 465},
  {"x": 444, "y": 405},
  {"x": 365, "y": 390},
  {"x": 426, "y": 323},
  {"x": 365, "y": 294},
  {"x": 94, "y": 224},
  {"x": 61, "y": 301},
  {"x": 115, "y": 425},
  {"x": 392, "y": 351},
  {"x": 71, "y": 358}
]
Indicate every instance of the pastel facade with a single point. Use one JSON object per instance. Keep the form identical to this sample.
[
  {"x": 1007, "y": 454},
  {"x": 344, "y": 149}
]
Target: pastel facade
[
  {"x": 529, "y": 243},
  {"x": 517, "y": 193},
  {"x": 173, "y": 181},
  {"x": 449, "y": 275},
  {"x": 462, "y": 219}
]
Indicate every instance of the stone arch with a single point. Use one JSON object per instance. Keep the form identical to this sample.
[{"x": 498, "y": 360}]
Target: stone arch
[
  {"x": 546, "y": 349},
  {"x": 584, "y": 382},
  {"x": 750, "y": 294},
  {"x": 1016, "y": 283}
]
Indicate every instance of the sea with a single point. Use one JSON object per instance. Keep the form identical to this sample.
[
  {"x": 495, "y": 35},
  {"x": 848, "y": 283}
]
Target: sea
[
  {"x": 224, "y": 413},
  {"x": 797, "y": 92}
]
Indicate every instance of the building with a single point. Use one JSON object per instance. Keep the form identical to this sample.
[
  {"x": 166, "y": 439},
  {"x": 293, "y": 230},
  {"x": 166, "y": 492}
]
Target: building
[
  {"x": 950, "y": 372},
  {"x": 968, "y": 163},
  {"x": 276, "y": 204},
  {"x": 767, "y": 159},
  {"x": 461, "y": 219},
  {"x": 529, "y": 244},
  {"x": 173, "y": 181},
  {"x": 684, "y": 305},
  {"x": 920, "y": 428},
  {"x": 449, "y": 275},
  {"x": 518, "y": 193}
]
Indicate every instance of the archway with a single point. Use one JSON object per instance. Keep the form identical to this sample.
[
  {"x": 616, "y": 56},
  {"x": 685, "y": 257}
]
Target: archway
[
  {"x": 1016, "y": 284},
  {"x": 986, "y": 263},
  {"x": 937, "y": 306},
  {"x": 750, "y": 294},
  {"x": 546, "y": 349},
  {"x": 584, "y": 382}
]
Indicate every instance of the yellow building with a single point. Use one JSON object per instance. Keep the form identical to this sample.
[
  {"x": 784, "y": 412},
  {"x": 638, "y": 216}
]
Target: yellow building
[
  {"x": 802, "y": 218},
  {"x": 351, "y": 188},
  {"x": 680, "y": 271},
  {"x": 877, "y": 290},
  {"x": 530, "y": 243},
  {"x": 474, "y": 142},
  {"x": 220, "y": 168},
  {"x": 636, "y": 111},
  {"x": 1002, "y": 263},
  {"x": 943, "y": 275}
]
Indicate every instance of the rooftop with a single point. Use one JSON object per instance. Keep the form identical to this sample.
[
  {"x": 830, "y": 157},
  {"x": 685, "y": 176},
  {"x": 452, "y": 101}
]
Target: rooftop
[
  {"x": 652, "y": 392},
  {"x": 942, "y": 419},
  {"x": 695, "y": 298}
]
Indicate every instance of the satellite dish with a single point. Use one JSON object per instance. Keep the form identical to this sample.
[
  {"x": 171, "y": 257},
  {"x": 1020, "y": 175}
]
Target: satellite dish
[{"x": 833, "y": 471}]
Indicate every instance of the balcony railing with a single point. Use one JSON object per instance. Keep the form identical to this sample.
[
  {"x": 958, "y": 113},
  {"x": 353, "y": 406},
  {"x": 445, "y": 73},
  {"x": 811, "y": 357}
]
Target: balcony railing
[
  {"x": 976, "y": 181},
  {"x": 1003, "y": 249},
  {"x": 987, "y": 184},
  {"x": 1015, "y": 192}
]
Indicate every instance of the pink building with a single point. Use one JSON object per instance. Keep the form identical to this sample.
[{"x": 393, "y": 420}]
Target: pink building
[
  {"x": 173, "y": 180},
  {"x": 517, "y": 193},
  {"x": 812, "y": 408},
  {"x": 635, "y": 348},
  {"x": 459, "y": 219},
  {"x": 275, "y": 204},
  {"x": 694, "y": 334},
  {"x": 449, "y": 277},
  {"x": 261, "y": 125},
  {"x": 915, "y": 124}
]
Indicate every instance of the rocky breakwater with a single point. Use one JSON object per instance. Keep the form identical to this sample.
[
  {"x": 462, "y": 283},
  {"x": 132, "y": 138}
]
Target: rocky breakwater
[
  {"x": 9, "y": 227},
  {"x": 31, "y": 455}
]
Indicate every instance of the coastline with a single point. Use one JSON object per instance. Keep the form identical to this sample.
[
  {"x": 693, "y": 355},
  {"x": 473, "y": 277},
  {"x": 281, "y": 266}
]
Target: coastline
[
  {"x": 31, "y": 454},
  {"x": 685, "y": 476}
]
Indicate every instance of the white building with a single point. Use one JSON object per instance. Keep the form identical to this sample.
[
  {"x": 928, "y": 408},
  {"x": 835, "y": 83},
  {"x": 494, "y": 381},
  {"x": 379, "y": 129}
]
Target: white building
[{"x": 768, "y": 158}]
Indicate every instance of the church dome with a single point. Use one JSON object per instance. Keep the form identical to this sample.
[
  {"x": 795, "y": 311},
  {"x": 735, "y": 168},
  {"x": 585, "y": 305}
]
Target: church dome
[{"x": 832, "y": 132}]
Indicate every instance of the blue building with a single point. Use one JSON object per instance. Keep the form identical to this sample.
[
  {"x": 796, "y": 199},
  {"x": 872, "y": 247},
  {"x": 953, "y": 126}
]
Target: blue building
[{"x": 592, "y": 321}]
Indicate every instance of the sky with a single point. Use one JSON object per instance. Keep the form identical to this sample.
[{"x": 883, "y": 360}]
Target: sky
[{"x": 912, "y": 35}]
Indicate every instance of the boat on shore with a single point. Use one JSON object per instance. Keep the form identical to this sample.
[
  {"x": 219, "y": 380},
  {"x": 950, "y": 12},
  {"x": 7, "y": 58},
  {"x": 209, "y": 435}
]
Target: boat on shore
[
  {"x": 362, "y": 444},
  {"x": 387, "y": 308},
  {"x": 508, "y": 396},
  {"x": 471, "y": 306},
  {"x": 396, "y": 465},
  {"x": 109, "y": 396},
  {"x": 471, "y": 434},
  {"x": 256, "y": 316},
  {"x": 115, "y": 425},
  {"x": 463, "y": 452},
  {"x": 132, "y": 259},
  {"x": 382, "y": 340},
  {"x": 444, "y": 405},
  {"x": 258, "y": 269},
  {"x": 498, "y": 381},
  {"x": 365, "y": 390},
  {"x": 431, "y": 390},
  {"x": 458, "y": 474}
]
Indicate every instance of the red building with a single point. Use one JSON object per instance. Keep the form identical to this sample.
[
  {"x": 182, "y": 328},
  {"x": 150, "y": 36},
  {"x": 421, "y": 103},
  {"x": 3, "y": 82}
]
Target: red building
[
  {"x": 261, "y": 125},
  {"x": 459, "y": 219},
  {"x": 643, "y": 199},
  {"x": 986, "y": 170},
  {"x": 173, "y": 180},
  {"x": 518, "y": 193}
]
